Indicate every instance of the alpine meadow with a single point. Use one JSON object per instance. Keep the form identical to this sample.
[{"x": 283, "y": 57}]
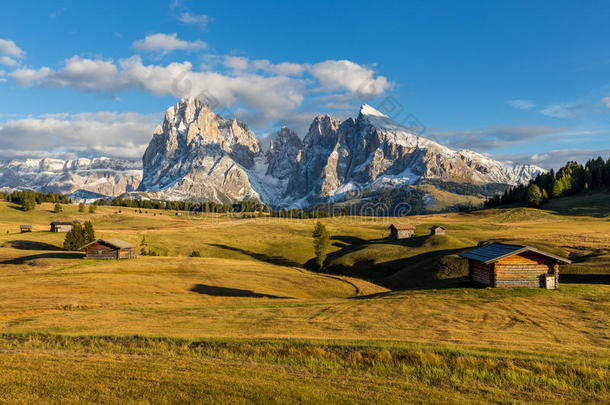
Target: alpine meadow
[{"x": 305, "y": 202}]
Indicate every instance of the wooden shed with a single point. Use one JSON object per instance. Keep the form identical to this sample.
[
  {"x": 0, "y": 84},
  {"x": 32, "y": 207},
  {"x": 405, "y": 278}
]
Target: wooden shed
[
  {"x": 58, "y": 226},
  {"x": 437, "y": 230},
  {"x": 25, "y": 228},
  {"x": 510, "y": 266},
  {"x": 109, "y": 249},
  {"x": 401, "y": 231}
]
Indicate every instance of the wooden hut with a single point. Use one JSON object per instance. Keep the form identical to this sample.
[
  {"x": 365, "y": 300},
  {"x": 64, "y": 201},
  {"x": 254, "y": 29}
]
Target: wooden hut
[
  {"x": 58, "y": 226},
  {"x": 511, "y": 266},
  {"x": 25, "y": 228},
  {"x": 401, "y": 231},
  {"x": 109, "y": 249},
  {"x": 437, "y": 230}
]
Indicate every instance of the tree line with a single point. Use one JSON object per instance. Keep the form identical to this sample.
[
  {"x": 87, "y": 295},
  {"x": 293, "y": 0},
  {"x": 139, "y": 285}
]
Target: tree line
[
  {"x": 28, "y": 199},
  {"x": 571, "y": 179}
]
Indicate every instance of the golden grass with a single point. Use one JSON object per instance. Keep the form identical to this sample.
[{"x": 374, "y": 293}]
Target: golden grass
[{"x": 249, "y": 285}]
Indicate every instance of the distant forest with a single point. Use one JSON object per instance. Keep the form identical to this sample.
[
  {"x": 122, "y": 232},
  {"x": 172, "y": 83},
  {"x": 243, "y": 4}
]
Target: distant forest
[{"x": 571, "y": 179}]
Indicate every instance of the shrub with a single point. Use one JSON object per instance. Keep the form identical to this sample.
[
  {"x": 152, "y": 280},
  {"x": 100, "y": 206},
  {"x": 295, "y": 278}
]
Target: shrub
[{"x": 195, "y": 253}]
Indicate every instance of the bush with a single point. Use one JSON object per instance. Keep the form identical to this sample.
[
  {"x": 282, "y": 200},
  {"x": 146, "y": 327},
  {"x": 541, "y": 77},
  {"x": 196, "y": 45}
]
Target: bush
[
  {"x": 57, "y": 208},
  {"x": 81, "y": 207},
  {"x": 92, "y": 209},
  {"x": 195, "y": 253}
]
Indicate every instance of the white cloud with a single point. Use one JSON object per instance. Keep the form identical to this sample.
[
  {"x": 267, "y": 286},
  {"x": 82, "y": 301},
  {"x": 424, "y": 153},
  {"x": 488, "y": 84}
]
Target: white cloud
[
  {"x": 344, "y": 74},
  {"x": 521, "y": 104},
  {"x": 8, "y": 61},
  {"x": 256, "y": 91},
  {"x": 200, "y": 19},
  {"x": 494, "y": 137},
  {"x": 8, "y": 47},
  {"x": 567, "y": 110},
  {"x": 240, "y": 64},
  {"x": 554, "y": 159},
  {"x": 57, "y": 12},
  {"x": 103, "y": 133},
  {"x": 165, "y": 43},
  {"x": 606, "y": 101}
]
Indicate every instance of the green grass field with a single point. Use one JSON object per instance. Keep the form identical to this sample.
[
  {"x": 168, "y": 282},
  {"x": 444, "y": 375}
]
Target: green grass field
[{"x": 247, "y": 322}]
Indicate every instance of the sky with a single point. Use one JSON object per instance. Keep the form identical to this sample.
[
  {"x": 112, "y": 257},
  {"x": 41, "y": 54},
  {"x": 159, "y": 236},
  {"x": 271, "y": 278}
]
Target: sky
[{"x": 527, "y": 82}]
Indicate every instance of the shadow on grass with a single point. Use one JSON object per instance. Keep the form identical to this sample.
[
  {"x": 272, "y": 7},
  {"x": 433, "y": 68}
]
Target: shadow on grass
[
  {"x": 584, "y": 278},
  {"x": 58, "y": 255},
  {"x": 230, "y": 292},
  {"x": 277, "y": 260},
  {"x": 32, "y": 245}
]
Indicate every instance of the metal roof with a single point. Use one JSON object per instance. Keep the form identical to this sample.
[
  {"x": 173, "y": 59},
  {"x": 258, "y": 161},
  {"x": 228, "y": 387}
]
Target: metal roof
[
  {"x": 402, "y": 227},
  {"x": 493, "y": 252},
  {"x": 116, "y": 243}
]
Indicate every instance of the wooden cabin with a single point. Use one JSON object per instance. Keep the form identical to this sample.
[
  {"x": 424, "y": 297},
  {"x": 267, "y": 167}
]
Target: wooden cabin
[
  {"x": 401, "y": 231},
  {"x": 25, "y": 228},
  {"x": 58, "y": 226},
  {"x": 511, "y": 266},
  {"x": 109, "y": 249},
  {"x": 437, "y": 230}
]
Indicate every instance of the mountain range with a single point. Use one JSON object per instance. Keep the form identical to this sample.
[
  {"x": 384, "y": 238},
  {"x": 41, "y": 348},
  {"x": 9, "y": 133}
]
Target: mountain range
[{"x": 198, "y": 154}]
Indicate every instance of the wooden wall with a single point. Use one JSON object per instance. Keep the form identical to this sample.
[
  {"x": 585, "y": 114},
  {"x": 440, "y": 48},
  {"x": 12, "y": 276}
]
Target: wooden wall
[
  {"x": 101, "y": 251},
  {"x": 523, "y": 270},
  {"x": 480, "y": 272}
]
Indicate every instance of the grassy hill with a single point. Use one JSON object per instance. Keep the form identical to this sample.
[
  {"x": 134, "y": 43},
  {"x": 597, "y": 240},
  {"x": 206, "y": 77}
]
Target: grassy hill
[{"x": 388, "y": 321}]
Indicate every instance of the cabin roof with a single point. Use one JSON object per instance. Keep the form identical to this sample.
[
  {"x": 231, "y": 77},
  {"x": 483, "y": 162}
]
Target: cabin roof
[
  {"x": 402, "y": 227},
  {"x": 25, "y": 226},
  {"x": 495, "y": 251},
  {"x": 438, "y": 227},
  {"x": 61, "y": 223},
  {"x": 115, "y": 243}
]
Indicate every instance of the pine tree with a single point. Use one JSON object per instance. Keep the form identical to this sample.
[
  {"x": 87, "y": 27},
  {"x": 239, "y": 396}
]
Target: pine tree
[
  {"x": 28, "y": 201},
  {"x": 81, "y": 207},
  {"x": 57, "y": 208},
  {"x": 88, "y": 233},
  {"x": 92, "y": 209},
  {"x": 75, "y": 238},
  {"x": 321, "y": 243},
  {"x": 534, "y": 196}
]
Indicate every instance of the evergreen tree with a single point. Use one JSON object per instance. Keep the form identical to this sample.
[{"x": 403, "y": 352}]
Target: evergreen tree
[
  {"x": 28, "y": 201},
  {"x": 75, "y": 238},
  {"x": 81, "y": 207},
  {"x": 92, "y": 208},
  {"x": 88, "y": 232},
  {"x": 57, "y": 208},
  {"x": 321, "y": 243},
  {"x": 534, "y": 196}
]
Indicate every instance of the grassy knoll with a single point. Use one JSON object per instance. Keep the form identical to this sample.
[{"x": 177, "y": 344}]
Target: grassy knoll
[{"x": 387, "y": 322}]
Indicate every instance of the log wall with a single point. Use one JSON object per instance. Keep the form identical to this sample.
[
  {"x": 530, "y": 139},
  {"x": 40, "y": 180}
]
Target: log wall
[
  {"x": 526, "y": 269},
  {"x": 480, "y": 272},
  {"x": 101, "y": 251}
]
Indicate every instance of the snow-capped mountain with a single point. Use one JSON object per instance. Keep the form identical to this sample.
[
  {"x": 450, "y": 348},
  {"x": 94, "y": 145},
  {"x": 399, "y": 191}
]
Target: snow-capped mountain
[
  {"x": 196, "y": 153},
  {"x": 103, "y": 176}
]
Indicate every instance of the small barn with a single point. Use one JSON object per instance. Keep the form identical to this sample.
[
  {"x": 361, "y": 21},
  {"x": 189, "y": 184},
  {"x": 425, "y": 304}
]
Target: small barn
[
  {"x": 437, "y": 230},
  {"x": 511, "y": 266},
  {"x": 25, "y": 228},
  {"x": 109, "y": 249},
  {"x": 401, "y": 231},
  {"x": 58, "y": 226}
]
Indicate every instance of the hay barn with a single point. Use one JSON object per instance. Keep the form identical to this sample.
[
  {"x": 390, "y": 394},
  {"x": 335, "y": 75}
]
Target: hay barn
[
  {"x": 512, "y": 266},
  {"x": 109, "y": 249},
  {"x": 437, "y": 230},
  {"x": 401, "y": 231},
  {"x": 58, "y": 226}
]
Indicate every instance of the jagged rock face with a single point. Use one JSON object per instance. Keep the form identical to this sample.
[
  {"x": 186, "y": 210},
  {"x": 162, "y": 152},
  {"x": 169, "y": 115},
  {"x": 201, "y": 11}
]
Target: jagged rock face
[
  {"x": 108, "y": 177},
  {"x": 283, "y": 154},
  {"x": 373, "y": 152},
  {"x": 197, "y": 153}
]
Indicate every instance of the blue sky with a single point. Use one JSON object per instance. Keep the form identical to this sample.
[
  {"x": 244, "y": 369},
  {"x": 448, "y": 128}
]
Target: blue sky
[{"x": 521, "y": 81}]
